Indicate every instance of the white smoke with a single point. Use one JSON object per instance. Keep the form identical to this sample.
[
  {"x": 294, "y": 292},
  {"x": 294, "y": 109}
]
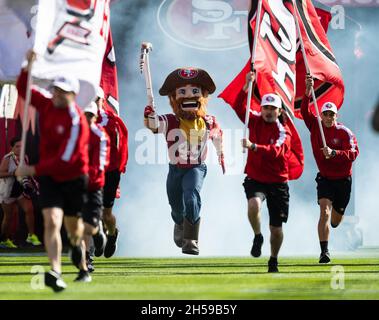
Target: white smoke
[{"x": 143, "y": 212}]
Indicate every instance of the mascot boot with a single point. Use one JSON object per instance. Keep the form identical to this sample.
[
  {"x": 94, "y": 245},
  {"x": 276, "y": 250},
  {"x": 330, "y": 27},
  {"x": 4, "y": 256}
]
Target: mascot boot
[{"x": 191, "y": 237}]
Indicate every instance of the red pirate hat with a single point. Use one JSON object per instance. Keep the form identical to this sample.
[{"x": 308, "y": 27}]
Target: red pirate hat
[{"x": 183, "y": 76}]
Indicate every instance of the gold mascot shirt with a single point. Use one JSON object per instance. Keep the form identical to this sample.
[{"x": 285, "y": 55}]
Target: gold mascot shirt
[{"x": 193, "y": 129}]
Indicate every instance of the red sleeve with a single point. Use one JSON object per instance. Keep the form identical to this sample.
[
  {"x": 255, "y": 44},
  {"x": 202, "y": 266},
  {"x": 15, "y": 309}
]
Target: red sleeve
[
  {"x": 277, "y": 149},
  {"x": 123, "y": 145},
  {"x": 72, "y": 147},
  {"x": 40, "y": 99},
  {"x": 350, "y": 149},
  {"x": 307, "y": 115},
  {"x": 240, "y": 105}
]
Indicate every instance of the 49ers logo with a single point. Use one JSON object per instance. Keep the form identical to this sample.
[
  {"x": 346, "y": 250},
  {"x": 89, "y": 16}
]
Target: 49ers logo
[
  {"x": 205, "y": 24},
  {"x": 188, "y": 73}
]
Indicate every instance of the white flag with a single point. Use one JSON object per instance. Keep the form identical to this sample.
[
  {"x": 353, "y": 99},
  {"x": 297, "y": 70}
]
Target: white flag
[{"x": 69, "y": 37}]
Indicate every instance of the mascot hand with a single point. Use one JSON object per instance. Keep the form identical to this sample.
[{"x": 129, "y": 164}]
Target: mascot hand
[
  {"x": 151, "y": 117},
  {"x": 149, "y": 111}
]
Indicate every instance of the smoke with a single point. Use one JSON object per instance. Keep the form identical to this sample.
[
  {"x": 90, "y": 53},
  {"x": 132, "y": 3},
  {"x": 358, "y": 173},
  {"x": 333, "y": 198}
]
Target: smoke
[{"x": 143, "y": 212}]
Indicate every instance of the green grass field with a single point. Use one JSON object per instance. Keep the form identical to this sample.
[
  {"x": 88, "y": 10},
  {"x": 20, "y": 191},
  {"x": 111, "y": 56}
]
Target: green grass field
[{"x": 199, "y": 278}]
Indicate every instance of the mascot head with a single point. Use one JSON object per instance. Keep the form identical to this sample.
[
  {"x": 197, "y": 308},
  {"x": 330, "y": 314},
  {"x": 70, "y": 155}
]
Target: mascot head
[{"x": 188, "y": 90}]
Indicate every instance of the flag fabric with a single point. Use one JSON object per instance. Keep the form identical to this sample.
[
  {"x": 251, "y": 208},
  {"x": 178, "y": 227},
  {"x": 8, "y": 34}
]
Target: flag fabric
[
  {"x": 296, "y": 156},
  {"x": 329, "y": 85},
  {"x": 71, "y": 37},
  {"x": 275, "y": 59},
  {"x": 275, "y": 66},
  {"x": 109, "y": 82},
  {"x": 279, "y": 62}
]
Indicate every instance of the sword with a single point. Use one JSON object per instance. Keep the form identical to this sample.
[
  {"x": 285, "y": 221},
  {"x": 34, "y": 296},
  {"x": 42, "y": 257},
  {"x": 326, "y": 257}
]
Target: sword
[{"x": 146, "y": 47}]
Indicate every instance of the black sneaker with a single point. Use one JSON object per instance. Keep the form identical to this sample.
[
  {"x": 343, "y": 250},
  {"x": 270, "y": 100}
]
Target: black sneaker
[
  {"x": 99, "y": 241},
  {"x": 75, "y": 254},
  {"x": 273, "y": 265},
  {"x": 111, "y": 246},
  {"x": 89, "y": 261},
  {"x": 256, "y": 249},
  {"x": 83, "y": 276},
  {"x": 324, "y": 257},
  {"x": 54, "y": 281}
]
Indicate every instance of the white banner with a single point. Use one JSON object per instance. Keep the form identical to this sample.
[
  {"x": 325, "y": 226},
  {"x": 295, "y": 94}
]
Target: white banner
[{"x": 70, "y": 39}]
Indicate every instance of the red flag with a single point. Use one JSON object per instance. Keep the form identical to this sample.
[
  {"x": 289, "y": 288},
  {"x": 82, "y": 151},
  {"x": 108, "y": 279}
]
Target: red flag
[
  {"x": 275, "y": 65},
  {"x": 329, "y": 84},
  {"x": 109, "y": 81},
  {"x": 109, "y": 84},
  {"x": 275, "y": 55}
]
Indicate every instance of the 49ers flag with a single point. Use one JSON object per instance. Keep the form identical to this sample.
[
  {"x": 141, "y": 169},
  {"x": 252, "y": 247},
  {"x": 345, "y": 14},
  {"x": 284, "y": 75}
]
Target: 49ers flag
[
  {"x": 275, "y": 61},
  {"x": 280, "y": 67},
  {"x": 329, "y": 84}
]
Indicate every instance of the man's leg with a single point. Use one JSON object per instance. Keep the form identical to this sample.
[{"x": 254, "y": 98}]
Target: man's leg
[
  {"x": 254, "y": 214},
  {"x": 53, "y": 218},
  {"x": 336, "y": 218},
  {"x": 109, "y": 220},
  {"x": 112, "y": 180},
  {"x": 254, "y": 206},
  {"x": 276, "y": 240},
  {"x": 75, "y": 231},
  {"x": 89, "y": 231},
  {"x": 323, "y": 228}
]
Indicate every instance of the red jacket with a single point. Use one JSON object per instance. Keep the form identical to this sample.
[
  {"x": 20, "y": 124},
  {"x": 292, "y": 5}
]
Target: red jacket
[
  {"x": 338, "y": 138},
  {"x": 99, "y": 152},
  {"x": 118, "y": 135},
  {"x": 269, "y": 163},
  {"x": 64, "y": 136}
]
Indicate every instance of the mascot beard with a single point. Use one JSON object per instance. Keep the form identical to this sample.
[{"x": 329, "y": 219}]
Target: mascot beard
[{"x": 189, "y": 108}]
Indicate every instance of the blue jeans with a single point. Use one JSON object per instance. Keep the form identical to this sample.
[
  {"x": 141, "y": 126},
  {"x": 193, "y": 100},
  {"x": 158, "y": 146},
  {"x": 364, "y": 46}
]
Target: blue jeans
[{"x": 183, "y": 190}]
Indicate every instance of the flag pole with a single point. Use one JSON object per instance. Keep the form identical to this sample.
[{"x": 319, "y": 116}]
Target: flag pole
[
  {"x": 308, "y": 73},
  {"x": 26, "y": 111},
  {"x": 253, "y": 54}
]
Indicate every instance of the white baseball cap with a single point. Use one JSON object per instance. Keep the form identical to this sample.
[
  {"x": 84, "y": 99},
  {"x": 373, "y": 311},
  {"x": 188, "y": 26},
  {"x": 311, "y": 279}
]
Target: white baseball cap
[
  {"x": 91, "y": 108},
  {"x": 329, "y": 106},
  {"x": 68, "y": 84},
  {"x": 100, "y": 93},
  {"x": 271, "y": 99}
]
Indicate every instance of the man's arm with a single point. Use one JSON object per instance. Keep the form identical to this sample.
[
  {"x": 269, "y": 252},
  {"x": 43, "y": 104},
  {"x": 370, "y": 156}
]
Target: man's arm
[
  {"x": 350, "y": 149},
  {"x": 240, "y": 104},
  {"x": 307, "y": 115}
]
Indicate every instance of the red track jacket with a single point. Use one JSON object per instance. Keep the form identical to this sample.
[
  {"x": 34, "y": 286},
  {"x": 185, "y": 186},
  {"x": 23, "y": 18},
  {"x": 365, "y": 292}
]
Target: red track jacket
[
  {"x": 269, "y": 164},
  {"x": 64, "y": 136},
  {"x": 99, "y": 152},
  {"x": 338, "y": 138}
]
